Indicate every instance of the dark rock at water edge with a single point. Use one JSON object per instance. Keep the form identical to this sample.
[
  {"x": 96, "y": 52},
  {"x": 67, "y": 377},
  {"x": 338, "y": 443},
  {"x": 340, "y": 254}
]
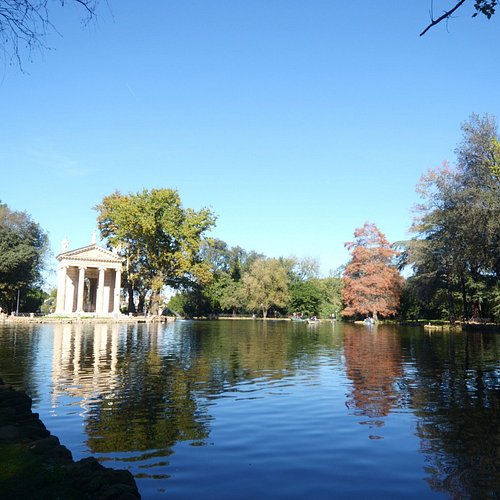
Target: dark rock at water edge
[{"x": 34, "y": 464}]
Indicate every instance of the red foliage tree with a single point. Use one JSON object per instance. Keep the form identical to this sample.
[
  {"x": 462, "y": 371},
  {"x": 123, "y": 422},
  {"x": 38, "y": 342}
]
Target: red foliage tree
[{"x": 372, "y": 284}]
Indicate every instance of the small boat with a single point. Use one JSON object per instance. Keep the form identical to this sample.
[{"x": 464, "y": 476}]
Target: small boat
[
  {"x": 300, "y": 319},
  {"x": 313, "y": 321}
]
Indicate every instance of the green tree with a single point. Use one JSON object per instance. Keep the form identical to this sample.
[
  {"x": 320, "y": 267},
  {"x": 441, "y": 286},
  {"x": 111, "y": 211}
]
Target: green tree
[
  {"x": 457, "y": 225},
  {"x": 23, "y": 247},
  {"x": 233, "y": 297},
  {"x": 305, "y": 298},
  {"x": 224, "y": 291},
  {"x": 331, "y": 296},
  {"x": 160, "y": 239},
  {"x": 266, "y": 285}
]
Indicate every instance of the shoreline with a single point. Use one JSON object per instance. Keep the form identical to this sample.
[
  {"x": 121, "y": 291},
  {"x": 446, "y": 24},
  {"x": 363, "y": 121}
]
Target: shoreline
[
  {"x": 124, "y": 319},
  {"x": 36, "y": 465},
  {"x": 83, "y": 318}
]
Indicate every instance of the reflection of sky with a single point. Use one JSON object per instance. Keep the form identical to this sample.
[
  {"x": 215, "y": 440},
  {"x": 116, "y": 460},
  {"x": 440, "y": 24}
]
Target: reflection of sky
[
  {"x": 281, "y": 427},
  {"x": 300, "y": 427}
]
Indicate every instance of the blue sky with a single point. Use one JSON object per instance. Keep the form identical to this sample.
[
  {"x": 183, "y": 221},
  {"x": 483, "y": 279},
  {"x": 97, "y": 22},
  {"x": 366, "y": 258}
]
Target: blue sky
[{"x": 294, "y": 121}]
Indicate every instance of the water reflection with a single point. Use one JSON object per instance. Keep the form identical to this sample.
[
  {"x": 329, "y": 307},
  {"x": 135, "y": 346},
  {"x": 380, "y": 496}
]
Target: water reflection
[
  {"x": 134, "y": 399},
  {"x": 149, "y": 387},
  {"x": 456, "y": 394},
  {"x": 144, "y": 392},
  {"x": 374, "y": 365}
]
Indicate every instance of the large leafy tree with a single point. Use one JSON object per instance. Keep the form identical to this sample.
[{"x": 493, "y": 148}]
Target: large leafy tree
[
  {"x": 457, "y": 226},
  {"x": 160, "y": 239},
  {"x": 23, "y": 246},
  {"x": 266, "y": 285},
  {"x": 372, "y": 283}
]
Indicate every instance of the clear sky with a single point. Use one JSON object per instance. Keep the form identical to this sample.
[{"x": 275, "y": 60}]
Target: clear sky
[{"x": 294, "y": 121}]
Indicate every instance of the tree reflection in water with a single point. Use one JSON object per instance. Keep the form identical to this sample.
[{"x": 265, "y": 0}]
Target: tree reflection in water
[
  {"x": 456, "y": 395},
  {"x": 148, "y": 389},
  {"x": 143, "y": 389},
  {"x": 374, "y": 366},
  {"x": 451, "y": 381}
]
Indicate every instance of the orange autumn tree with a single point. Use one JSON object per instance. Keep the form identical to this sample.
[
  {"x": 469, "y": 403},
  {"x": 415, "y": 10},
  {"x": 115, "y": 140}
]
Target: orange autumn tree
[{"x": 372, "y": 283}]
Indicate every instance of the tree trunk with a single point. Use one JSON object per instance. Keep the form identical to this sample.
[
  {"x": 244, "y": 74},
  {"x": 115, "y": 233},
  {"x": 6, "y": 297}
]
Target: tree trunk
[
  {"x": 451, "y": 304},
  {"x": 264, "y": 313},
  {"x": 141, "y": 303},
  {"x": 464, "y": 298},
  {"x": 130, "y": 292},
  {"x": 155, "y": 302}
]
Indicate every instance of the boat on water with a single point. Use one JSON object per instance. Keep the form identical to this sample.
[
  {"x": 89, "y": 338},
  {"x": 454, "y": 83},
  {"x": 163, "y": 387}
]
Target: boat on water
[
  {"x": 297, "y": 318},
  {"x": 366, "y": 322},
  {"x": 312, "y": 321}
]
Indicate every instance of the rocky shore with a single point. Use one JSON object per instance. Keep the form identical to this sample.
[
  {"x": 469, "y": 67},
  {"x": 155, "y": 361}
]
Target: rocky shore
[{"x": 35, "y": 465}]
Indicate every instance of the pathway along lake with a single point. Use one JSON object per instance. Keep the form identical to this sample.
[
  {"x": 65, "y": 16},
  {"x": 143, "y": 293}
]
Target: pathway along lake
[{"x": 255, "y": 410}]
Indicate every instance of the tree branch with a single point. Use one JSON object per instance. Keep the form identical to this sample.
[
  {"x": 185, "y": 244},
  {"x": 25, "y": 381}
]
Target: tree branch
[{"x": 446, "y": 15}]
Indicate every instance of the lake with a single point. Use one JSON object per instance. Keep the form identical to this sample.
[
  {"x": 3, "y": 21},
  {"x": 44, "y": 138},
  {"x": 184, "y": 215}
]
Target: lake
[{"x": 237, "y": 409}]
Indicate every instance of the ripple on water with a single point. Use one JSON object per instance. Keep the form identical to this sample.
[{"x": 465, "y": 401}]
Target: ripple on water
[{"x": 207, "y": 409}]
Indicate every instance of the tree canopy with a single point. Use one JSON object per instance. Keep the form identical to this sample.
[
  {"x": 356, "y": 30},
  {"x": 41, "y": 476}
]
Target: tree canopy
[
  {"x": 456, "y": 248},
  {"x": 266, "y": 285},
  {"x": 160, "y": 239},
  {"x": 23, "y": 246},
  {"x": 372, "y": 284}
]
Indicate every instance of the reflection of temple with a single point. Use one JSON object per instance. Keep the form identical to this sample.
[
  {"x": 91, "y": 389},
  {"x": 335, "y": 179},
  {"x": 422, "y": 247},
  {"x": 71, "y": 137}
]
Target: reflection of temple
[
  {"x": 86, "y": 358},
  {"x": 129, "y": 397},
  {"x": 89, "y": 281},
  {"x": 373, "y": 362}
]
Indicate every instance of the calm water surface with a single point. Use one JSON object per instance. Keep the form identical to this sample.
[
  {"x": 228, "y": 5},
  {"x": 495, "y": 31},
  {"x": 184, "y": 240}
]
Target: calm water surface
[{"x": 252, "y": 409}]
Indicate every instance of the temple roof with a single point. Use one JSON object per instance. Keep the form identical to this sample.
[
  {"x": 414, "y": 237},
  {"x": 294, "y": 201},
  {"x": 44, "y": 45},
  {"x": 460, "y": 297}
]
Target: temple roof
[{"x": 91, "y": 254}]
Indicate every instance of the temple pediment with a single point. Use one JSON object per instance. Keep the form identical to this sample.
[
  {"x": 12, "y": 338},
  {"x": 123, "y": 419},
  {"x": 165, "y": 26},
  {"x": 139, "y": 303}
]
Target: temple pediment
[{"x": 90, "y": 254}]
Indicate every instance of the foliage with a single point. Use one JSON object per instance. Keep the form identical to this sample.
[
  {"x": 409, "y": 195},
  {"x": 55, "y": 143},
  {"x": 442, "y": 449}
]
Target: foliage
[
  {"x": 372, "y": 284},
  {"x": 160, "y": 239},
  {"x": 228, "y": 290},
  {"x": 233, "y": 297},
  {"x": 305, "y": 298},
  {"x": 310, "y": 294},
  {"x": 49, "y": 302},
  {"x": 23, "y": 246},
  {"x": 266, "y": 285},
  {"x": 177, "y": 303},
  {"x": 223, "y": 292},
  {"x": 32, "y": 300},
  {"x": 331, "y": 297},
  {"x": 457, "y": 226}
]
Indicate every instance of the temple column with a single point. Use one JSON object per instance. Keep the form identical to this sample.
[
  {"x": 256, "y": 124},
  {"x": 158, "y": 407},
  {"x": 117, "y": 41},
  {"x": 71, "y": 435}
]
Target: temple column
[
  {"x": 81, "y": 284},
  {"x": 116, "y": 294},
  {"x": 100, "y": 291},
  {"x": 61, "y": 290}
]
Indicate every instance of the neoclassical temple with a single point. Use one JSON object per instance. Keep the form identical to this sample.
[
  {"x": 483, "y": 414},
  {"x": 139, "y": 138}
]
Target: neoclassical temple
[{"x": 89, "y": 281}]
